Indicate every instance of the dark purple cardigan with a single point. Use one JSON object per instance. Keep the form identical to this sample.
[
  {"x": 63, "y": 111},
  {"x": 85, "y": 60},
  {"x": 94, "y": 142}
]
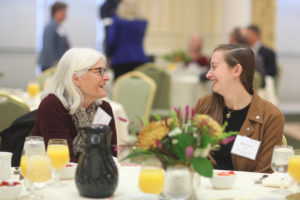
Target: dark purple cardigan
[{"x": 54, "y": 121}]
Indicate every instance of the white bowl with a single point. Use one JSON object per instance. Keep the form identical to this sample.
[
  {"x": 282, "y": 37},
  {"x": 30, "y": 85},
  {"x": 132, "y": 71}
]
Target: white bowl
[
  {"x": 68, "y": 172},
  {"x": 10, "y": 192},
  {"x": 222, "y": 182}
]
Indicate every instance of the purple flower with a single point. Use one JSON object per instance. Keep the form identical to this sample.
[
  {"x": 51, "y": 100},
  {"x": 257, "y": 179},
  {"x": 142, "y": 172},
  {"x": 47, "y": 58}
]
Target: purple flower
[
  {"x": 193, "y": 113},
  {"x": 117, "y": 148},
  {"x": 166, "y": 121},
  {"x": 122, "y": 119},
  {"x": 158, "y": 144},
  {"x": 189, "y": 151},
  {"x": 177, "y": 112},
  {"x": 186, "y": 113},
  {"x": 227, "y": 140}
]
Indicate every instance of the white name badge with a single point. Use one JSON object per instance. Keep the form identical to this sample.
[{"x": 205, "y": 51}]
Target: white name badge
[
  {"x": 101, "y": 117},
  {"x": 245, "y": 147}
]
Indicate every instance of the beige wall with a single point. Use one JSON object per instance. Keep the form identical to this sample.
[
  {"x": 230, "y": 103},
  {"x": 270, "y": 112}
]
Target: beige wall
[
  {"x": 264, "y": 16},
  {"x": 172, "y": 21}
]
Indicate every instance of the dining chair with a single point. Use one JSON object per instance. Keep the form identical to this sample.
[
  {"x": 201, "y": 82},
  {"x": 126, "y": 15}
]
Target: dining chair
[
  {"x": 135, "y": 92},
  {"x": 161, "y": 102},
  {"x": 11, "y": 107},
  {"x": 43, "y": 78}
]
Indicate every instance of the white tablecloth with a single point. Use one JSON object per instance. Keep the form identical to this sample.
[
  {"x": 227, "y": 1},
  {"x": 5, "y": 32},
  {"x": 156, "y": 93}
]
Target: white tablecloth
[{"x": 244, "y": 188}]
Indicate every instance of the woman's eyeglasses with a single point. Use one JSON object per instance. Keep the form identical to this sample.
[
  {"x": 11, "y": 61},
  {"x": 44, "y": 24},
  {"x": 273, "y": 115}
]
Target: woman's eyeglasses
[{"x": 100, "y": 70}]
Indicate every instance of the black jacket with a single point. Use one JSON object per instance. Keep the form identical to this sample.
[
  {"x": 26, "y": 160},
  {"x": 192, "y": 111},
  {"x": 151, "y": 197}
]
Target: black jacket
[
  {"x": 269, "y": 60},
  {"x": 14, "y": 136}
]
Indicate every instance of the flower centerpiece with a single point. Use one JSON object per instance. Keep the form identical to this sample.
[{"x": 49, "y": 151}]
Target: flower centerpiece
[
  {"x": 182, "y": 139},
  {"x": 177, "y": 56}
]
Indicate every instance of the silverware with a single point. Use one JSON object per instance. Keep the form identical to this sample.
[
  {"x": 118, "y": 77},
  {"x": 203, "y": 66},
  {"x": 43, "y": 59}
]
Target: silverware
[{"x": 259, "y": 181}]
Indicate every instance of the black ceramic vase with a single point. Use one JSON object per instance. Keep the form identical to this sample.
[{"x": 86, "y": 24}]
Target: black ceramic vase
[{"x": 97, "y": 174}]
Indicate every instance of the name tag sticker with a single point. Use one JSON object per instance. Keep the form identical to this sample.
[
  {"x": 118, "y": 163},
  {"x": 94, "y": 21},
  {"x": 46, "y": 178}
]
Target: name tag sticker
[
  {"x": 245, "y": 147},
  {"x": 101, "y": 117}
]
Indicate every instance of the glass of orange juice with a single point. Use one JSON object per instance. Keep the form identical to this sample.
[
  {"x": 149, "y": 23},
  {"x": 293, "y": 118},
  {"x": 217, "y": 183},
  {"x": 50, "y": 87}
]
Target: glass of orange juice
[
  {"x": 38, "y": 172},
  {"x": 58, "y": 152},
  {"x": 33, "y": 145},
  {"x": 33, "y": 88},
  {"x": 151, "y": 179},
  {"x": 294, "y": 168}
]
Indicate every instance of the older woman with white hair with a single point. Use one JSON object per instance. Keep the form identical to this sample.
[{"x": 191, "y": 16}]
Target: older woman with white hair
[{"x": 73, "y": 98}]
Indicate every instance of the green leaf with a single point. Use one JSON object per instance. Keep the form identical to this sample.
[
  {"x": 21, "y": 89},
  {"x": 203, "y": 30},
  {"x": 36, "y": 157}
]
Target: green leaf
[
  {"x": 139, "y": 152},
  {"x": 204, "y": 129},
  {"x": 205, "y": 139},
  {"x": 203, "y": 166},
  {"x": 145, "y": 121},
  {"x": 224, "y": 126},
  {"x": 184, "y": 140},
  {"x": 223, "y": 136},
  {"x": 157, "y": 117}
]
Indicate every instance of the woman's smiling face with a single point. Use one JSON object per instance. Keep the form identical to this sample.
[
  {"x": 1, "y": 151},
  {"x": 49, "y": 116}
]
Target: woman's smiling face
[
  {"x": 92, "y": 83},
  {"x": 220, "y": 74}
]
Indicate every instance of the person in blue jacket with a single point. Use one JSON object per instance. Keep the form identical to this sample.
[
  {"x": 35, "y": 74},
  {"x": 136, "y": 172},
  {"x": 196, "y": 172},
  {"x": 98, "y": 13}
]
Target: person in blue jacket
[
  {"x": 55, "y": 41},
  {"x": 125, "y": 38}
]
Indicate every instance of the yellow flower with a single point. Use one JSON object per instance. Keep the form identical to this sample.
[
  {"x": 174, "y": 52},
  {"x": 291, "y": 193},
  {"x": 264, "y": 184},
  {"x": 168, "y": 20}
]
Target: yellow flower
[
  {"x": 214, "y": 128},
  {"x": 149, "y": 134}
]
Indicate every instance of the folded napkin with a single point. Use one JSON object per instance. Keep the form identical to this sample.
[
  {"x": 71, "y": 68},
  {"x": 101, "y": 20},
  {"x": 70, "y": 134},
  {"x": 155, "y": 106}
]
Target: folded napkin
[
  {"x": 273, "y": 180},
  {"x": 117, "y": 163}
]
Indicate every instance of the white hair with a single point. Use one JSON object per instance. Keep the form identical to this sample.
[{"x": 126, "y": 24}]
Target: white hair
[
  {"x": 130, "y": 10},
  {"x": 74, "y": 61}
]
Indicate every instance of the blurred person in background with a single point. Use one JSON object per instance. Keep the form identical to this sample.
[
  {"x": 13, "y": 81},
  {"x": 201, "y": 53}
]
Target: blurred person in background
[
  {"x": 239, "y": 36},
  {"x": 107, "y": 11},
  {"x": 268, "y": 56},
  {"x": 199, "y": 63},
  {"x": 55, "y": 41},
  {"x": 125, "y": 38},
  {"x": 195, "y": 50},
  {"x": 74, "y": 98},
  {"x": 234, "y": 100}
]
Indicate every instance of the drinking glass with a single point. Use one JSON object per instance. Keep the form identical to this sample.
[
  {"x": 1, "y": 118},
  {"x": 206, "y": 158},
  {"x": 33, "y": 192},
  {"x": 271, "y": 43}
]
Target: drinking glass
[
  {"x": 58, "y": 152},
  {"x": 178, "y": 183},
  {"x": 38, "y": 172},
  {"x": 33, "y": 88},
  {"x": 280, "y": 161},
  {"x": 33, "y": 145},
  {"x": 151, "y": 179},
  {"x": 294, "y": 168}
]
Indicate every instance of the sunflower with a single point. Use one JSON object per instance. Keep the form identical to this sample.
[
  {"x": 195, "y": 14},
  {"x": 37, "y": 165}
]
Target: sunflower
[
  {"x": 213, "y": 128},
  {"x": 150, "y": 134}
]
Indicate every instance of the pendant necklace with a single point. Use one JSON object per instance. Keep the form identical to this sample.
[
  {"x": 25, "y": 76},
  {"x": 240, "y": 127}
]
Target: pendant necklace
[{"x": 228, "y": 115}]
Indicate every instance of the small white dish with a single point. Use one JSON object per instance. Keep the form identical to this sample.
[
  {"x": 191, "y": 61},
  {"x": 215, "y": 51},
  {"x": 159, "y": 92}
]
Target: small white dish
[
  {"x": 223, "y": 182},
  {"x": 68, "y": 172},
  {"x": 10, "y": 191}
]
